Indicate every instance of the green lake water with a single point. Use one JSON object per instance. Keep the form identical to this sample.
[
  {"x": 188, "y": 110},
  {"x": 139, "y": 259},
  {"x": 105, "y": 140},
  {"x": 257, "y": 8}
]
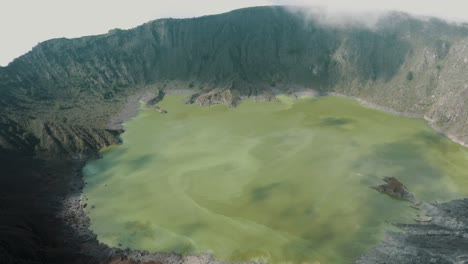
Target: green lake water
[{"x": 284, "y": 182}]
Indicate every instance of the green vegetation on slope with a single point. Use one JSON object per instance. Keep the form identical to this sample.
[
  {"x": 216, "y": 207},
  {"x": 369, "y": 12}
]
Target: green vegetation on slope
[{"x": 251, "y": 51}]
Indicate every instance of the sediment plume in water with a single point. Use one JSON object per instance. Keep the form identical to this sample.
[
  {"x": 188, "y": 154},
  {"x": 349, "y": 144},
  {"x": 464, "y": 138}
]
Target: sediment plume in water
[{"x": 282, "y": 182}]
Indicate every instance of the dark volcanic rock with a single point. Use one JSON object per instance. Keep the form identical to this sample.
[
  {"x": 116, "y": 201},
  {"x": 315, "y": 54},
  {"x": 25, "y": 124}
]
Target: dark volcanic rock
[
  {"x": 15, "y": 136},
  {"x": 57, "y": 100},
  {"x": 30, "y": 200},
  {"x": 33, "y": 136},
  {"x": 442, "y": 240},
  {"x": 155, "y": 100}
]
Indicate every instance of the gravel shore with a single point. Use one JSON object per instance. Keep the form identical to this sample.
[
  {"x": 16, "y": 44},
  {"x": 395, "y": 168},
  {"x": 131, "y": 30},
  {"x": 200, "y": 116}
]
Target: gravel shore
[{"x": 418, "y": 243}]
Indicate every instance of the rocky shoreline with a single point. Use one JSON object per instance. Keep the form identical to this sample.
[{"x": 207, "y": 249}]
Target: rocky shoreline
[
  {"x": 440, "y": 221},
  {"x": 429, "y": 121},
  {"x": 213, "y": 97},
  {"x": 60, "y": 98},
  {"x": 47, "y": 214},
  {"x": 441, "y": 238},
  {"x": 78, "y": 223}
]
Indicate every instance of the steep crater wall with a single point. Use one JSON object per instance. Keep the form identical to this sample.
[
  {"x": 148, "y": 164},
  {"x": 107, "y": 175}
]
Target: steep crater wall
[
  {"x": 62, "y": 97},
  {"x": 402, "y": 63}
]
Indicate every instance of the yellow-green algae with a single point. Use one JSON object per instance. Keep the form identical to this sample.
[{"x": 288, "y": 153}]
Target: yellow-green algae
[{"x": 283, "y": 182}]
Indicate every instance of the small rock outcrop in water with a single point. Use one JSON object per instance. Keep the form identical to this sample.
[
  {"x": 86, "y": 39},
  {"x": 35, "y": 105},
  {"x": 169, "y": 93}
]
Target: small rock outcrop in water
[
  {"x": 160, "y": 110},
  {"x": 157, "y": 108},
  {"x": 253, "y": 45},
  {"x": 158, "y": 98},
  {"x": 215, "y": 96},
  {"x": 395, "y": 188}
]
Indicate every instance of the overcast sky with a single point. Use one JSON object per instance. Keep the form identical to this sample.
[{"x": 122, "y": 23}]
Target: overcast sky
[{"x": 25, "y": 23}]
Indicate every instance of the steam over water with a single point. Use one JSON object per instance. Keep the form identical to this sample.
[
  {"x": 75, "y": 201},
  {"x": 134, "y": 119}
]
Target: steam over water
[{"x": 284, "y": 182}]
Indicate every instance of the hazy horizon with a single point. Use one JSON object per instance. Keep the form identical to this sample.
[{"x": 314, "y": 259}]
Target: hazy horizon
[{"x": 24, "y": 24}]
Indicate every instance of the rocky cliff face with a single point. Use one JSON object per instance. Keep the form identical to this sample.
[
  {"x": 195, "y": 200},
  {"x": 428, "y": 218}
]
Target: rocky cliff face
[
  {"x": 443, "y": 239},
  {"x": 61, "y": 98},
  {"x": 32, "y": 136},
  {"x": 403, "y": 63}
]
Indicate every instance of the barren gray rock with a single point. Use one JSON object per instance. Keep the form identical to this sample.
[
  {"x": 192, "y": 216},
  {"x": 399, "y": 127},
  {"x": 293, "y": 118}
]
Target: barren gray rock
[{"x": 442, "y": 240}]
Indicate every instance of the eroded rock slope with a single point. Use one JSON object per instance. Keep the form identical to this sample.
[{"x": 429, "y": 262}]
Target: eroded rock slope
[{"x": 406, "y": 64}]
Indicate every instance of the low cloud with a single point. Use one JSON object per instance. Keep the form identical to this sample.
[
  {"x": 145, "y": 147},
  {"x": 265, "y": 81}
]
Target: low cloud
[
  {"x": 339, "y": 17},
  {"x": 452, "y": 10},
  {"x": 36, "y": 21}
]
